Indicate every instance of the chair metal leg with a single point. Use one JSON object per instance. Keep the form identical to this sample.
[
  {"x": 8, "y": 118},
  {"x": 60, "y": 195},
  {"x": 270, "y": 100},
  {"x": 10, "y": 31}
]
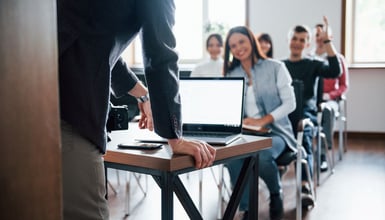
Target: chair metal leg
[
  {"x": 323, "y": 145},
  {"x": 342, "y": 128},
  {"x": 318, "y": 156},
  {"x": 144, "y": 190},
  {"x": 219, "y": 183},
  {"x": 345, "y": 134},
  {"x": 340, "y": 136},
  {"x": 127, "y": 197},
  {"x": 117, "y": 176},
  {"x": 329, "y": 158},
  {"x": 309, "y": 177},
  {"x": 220, "y": 191},
  {"x": 224, "y": 190},
  {"x": 112, "y": 187},
  {"x": 200, "y": 189},
  {"x": 299, "y": 176}
]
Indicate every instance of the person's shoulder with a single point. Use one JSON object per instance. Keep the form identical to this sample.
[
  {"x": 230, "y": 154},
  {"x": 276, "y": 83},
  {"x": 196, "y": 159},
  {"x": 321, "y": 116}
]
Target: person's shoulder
[
  {"x": 285, "y": 60},
  {"x": 309, "y": 59},
  {"x": 273, "y": 62}
]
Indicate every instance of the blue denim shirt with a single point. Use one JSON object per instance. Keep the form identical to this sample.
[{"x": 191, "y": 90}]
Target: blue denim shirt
[{"x": 274, "y": 95}]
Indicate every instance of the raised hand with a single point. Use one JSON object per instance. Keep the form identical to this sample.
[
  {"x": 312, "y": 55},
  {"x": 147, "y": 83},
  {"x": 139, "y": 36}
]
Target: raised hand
[{"x": 324, "y": 32}]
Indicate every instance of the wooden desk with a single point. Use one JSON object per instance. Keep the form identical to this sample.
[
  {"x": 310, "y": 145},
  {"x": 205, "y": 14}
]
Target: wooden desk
[{"x": 165, "y": 167}]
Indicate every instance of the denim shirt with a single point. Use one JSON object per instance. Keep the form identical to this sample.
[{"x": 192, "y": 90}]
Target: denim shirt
[{"x": 274, "y": 95}]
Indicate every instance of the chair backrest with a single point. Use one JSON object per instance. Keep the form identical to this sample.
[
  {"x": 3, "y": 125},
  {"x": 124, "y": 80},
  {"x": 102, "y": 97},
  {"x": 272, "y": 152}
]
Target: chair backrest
[
  {"x": 287, "y": 156},
  {"x": 320, "y": 90},
  {"x": 297, "y": 114}
]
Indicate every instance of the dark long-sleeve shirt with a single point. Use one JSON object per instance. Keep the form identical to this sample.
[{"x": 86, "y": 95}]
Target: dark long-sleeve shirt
[
  {"x": 308, "y": 70},
  {"x": 92, "y": 35}
]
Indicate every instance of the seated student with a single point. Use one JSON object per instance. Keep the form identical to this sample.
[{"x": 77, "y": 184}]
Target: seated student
[
  {"x": 213, "y": 66},
  {"x": 333, "y": 89},
  {"x": 266, "y": 44},
  {"x": 269, "y": 98},
  {"x": 308, "y": 70}
]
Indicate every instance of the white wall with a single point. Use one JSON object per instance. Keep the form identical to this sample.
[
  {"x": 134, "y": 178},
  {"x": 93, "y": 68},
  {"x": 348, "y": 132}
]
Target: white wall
[
  {"x": 366, "y": 103},
  {"x": 366, "y": 100},
  {"x": 277, "y": 17}
]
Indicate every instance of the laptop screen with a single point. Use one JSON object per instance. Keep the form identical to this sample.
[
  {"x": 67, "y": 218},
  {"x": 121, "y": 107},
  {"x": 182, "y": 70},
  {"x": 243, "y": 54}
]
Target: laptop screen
[{"x": 212, "y": 104}]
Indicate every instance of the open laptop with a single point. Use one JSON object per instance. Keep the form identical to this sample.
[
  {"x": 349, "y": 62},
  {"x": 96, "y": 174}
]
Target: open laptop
[{"x": 212, "y": 109}]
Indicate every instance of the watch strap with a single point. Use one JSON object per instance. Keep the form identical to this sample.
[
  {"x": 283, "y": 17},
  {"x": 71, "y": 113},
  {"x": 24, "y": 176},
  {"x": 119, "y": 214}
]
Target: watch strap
[{"x": 144, "y": 98}]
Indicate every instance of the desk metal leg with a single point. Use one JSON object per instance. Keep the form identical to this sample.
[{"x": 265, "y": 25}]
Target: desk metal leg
[
  {"x": 174, "y": 184},
  {"x": 235, "y": 198},
  {"x": 167, "y": 196},
  {"x": 105, "y": 176},
  {"x": 253, "y": 199},
  {"x": 185, "y": 200}
]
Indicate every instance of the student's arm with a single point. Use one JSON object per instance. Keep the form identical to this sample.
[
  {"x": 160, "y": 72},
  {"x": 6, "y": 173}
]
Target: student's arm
[
  {"x": 324, "y": 34},
  {"x": 287, "y": 96},
  {"x": 333, "y": 70},
  {"x": 286, "y": 93}
]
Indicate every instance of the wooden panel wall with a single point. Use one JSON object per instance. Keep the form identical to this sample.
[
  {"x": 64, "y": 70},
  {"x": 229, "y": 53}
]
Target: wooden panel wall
[{"x": 30, "y": 164}]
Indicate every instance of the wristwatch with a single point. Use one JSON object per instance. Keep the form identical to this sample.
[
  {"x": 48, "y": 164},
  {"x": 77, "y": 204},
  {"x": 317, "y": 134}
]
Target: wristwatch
[{"x": 144, "y": 98}]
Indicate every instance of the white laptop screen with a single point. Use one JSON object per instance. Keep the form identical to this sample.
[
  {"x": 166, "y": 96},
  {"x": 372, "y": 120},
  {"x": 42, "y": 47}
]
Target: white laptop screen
[{"x": 212, "y": 102}]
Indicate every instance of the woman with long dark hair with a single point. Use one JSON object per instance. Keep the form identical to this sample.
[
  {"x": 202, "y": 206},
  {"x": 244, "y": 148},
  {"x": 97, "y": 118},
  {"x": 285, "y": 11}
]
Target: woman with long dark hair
[{"x": 269, "y": 98}]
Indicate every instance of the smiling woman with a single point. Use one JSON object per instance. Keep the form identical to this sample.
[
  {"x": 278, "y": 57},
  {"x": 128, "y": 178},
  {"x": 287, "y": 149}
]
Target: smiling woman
[{"x": 191, "y": 17}]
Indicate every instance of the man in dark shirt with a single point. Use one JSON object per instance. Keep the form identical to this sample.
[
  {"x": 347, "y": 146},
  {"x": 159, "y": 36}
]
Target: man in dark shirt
[
  {"x": 308, "y": 71},
  {"x": 92, "y": 35}
]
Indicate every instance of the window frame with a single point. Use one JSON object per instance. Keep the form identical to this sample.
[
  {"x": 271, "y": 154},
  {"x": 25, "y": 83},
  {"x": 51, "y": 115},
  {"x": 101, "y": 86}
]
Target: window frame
[
  {"x": 129, "y": 55},
  {"x": 348, "y": 18}
]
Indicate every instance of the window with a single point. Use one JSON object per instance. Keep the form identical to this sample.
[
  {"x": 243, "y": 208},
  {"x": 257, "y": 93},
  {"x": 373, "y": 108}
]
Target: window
[
  {"x": 365, "y": 31},
  {"x": 194, "y": 20}
]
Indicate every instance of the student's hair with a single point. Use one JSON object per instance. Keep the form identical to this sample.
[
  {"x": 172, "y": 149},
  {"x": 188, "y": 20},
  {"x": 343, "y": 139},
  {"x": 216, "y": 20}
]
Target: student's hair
[
  {"x": 299, "y": 29},
  {"x": 256, "y": 52},
  {"x": 266, "y": 37},
  {"x": 217, "y": 36}
]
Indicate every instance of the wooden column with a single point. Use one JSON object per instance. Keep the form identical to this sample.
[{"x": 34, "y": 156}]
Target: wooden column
[{"x": 30, "y": 164}]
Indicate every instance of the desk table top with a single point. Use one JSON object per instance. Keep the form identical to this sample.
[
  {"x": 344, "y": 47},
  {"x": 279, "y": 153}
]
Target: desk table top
[{"x": 163, "y": 158}]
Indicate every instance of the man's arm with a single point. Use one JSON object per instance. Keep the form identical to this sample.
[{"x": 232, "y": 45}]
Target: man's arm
[
  {"x": 162, "y": 76},
  {"x": 333, "y": 70},
  {"x": 160, "y": 63},
  {"x": 122, "y": 79}
]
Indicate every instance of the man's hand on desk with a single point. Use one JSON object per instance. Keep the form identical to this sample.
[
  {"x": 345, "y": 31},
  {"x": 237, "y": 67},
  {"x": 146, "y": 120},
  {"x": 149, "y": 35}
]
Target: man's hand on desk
[{"x": 203, "y": 153}]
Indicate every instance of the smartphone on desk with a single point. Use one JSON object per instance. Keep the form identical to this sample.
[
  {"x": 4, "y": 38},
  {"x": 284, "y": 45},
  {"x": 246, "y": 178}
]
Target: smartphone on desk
[{"x": 139, "y": 146}]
